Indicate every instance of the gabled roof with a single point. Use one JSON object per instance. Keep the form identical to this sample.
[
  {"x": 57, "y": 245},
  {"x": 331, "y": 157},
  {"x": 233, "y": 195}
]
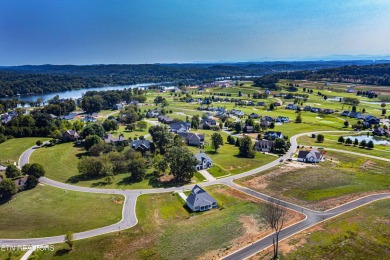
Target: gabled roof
[
  {"x": 108, "y": 138},
  {"x": 199, "y": 198},
  {"x": 313, "y": 152},
  {"x": 143, "y": 144},
  {"x": 202, "y": 156}
]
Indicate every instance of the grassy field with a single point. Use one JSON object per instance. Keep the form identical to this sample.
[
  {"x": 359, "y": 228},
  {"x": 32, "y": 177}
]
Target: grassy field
[
  {"x": 11, "y": 150},
  {"x": 331, "y": 142},
  {"x": 226, "y": 157},
  {"x": 325, "y": 185},
  {"x": 363, "y": 233},
  {"x": 60, "y": 162},
  {"x": 47, "y": 211},
  {"x": 11, "y": 254},
  {"x": 166, "y": 230}
]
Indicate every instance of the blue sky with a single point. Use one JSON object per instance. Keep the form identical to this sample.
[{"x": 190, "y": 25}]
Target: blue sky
[{"x": 165, "y": 31}]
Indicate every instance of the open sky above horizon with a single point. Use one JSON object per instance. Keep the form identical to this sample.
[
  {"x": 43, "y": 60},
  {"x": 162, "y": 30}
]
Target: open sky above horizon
[{"x": 182, "y": 31}]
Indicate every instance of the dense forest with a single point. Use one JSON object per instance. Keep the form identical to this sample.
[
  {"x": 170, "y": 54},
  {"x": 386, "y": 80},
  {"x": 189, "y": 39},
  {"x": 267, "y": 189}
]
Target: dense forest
[
  {"x": 52, "y": 78},
  {"x": 377, "y": 74}
]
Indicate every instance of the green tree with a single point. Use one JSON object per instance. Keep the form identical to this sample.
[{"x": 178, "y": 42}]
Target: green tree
[
  {"x": 142, "y": 125},
  {"x": 34, "y": 169},
  {"x": 91, "y": 140},
  {"x": 92, "y": 167},
  {"x": 320, "y": 138},
  {"x": 353, "y": 108},
  {"x": 12, "y": 171},
  {"x": 181, "y": 163},
  {"x": 137, "y": 166},
  {"x": 31, "y": 182},
  {"x": 370, "y": 144},
  {"x": 341, "y": 139},
  {"x": 348, "y": 141},
  {"x": 346, "y": 123},
  {"x": 130, "y": 127},
  {"x": 110, "y": 125},
  {"x": 39, "y": 143},
  {"x": 257, "y": 128},
  {"x": 246, "y": 148},
  {"x": 383, "y": 112},
  {"x": 272, "y": 125},
  {"x": 356, "y": 142},
  {"x": 217, "y": 141},
  {"x": 238, "y": 127},
  {"x": 231, "y": 140},
  {"x": 161, "y": 138},
  {"x": 7, "y": 189},
  {"x": 93, "y": 129},
  {"x": 69, "y": 239},
  {"x": 280, "y": 144},
  {"x": 160, "y": 164},
  {"x": 363, "y": 143},
  {"x": 299, "y": 118}
]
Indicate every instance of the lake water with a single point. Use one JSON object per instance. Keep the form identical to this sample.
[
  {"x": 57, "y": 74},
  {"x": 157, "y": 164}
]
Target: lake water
[
  {"x": 77, "y": 93},
  {"x": 368, "y": 138}
]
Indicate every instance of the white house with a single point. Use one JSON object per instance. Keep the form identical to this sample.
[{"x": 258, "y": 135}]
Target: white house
[
  {"x": 264, "y": 145},
  {"x": 204, "y": 162},
  {"x": 310, "y": 156}
]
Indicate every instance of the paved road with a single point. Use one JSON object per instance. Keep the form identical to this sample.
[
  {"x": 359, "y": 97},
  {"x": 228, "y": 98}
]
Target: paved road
[
  {"x": 129, "y": 218},
  {"x": 312, "y": 218}
]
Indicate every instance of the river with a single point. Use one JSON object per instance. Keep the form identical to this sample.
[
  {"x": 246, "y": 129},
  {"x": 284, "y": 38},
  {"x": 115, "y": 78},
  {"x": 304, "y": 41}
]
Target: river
[{"x": 77, "y": 93}]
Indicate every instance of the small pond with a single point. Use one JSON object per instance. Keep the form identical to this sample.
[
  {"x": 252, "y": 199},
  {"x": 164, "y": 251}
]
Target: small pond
[{"x": 375, "y": 140}]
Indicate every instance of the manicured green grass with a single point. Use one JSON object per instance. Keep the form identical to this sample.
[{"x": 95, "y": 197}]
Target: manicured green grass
[
  {"x": 217, "y": 171},
  {"x": 60, "y": 163},
  {"x": 340, "y": 175},
  {"x": 166, "y": 230},
  {"x": 363, "y": 233},
  {"x": 331, "y": 142},
  {"x": 7, "y": 254},
  {"x": 136, "y": 133},
  {"x": 47, "y": 211},
  {"x": 12, "y": 149},
  {"x": 226, "y": 157}
]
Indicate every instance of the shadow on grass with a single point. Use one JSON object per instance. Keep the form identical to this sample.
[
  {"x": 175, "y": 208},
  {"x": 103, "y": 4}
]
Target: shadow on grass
[
  {"x": 4, "y": 200},
  {"x": 62, "y": 252}
]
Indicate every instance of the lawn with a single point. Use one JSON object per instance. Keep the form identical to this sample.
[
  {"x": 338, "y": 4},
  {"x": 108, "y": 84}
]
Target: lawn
[
  {"x": 363, "y": 233},
  {"x": 47, "y": 211},
  {"x": 226, "y": 157},
  {"x": 339, "y": 179},
  {"x": 331, "y": 142},
  {"x": 60, "y": 163},
  {"x": 12, "y": 149},
  {"x": 166, "y": 230},
  {"x": 10, "y": 254}
]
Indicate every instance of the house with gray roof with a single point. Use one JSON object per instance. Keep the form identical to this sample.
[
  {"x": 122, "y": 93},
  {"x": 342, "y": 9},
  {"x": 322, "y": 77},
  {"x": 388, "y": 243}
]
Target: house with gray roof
[
  {"x": 110, "y": 139},
  {"x": 180, "y": 127},
  {"x": 140, "y": 145},
  {"x": 200, "y": 200},
  {"x": 70, "y": 136},
  {"x": 204, "y": 161},
  {"x": 310, "y": 156},
  {"x": 193, "y": 139}
]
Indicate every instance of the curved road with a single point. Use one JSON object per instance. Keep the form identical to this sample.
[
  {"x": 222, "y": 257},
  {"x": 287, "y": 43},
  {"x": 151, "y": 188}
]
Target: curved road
[{"x": 129, "y": 218}]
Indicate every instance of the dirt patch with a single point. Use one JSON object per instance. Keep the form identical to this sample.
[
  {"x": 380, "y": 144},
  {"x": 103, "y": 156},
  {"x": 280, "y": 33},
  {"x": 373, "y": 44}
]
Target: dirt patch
[
  {"x": 254, "y": 230},
  {"x": 261, "y": 182},
  {"x": 166, "y": 178}
]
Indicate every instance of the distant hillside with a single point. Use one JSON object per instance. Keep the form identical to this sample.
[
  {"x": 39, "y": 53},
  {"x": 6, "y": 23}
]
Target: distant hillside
[
  {"x": 31, "y": 79},
  {"x": 376, "y": 74}
]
